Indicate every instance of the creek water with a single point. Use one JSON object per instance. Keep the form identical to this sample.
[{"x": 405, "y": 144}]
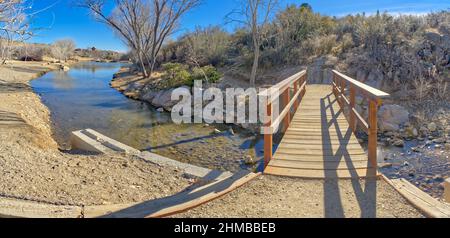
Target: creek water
[
  {"x": 426, "y": 165},
  {"x": 82, "y": 98}
]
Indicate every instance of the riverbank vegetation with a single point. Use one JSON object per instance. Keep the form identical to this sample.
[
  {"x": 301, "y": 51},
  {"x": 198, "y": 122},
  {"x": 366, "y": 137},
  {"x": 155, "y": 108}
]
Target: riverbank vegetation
[{"x": 405, "y": 53}]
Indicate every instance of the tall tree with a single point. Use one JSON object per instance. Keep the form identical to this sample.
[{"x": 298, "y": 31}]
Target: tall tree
[
  {"x": 13, "y": 25},
  {"x": 144, "y": 25},
  {"x": 63, "y": 49},
  {"x": 305, "y": 7},
  {"x": 255, "y": 15}
]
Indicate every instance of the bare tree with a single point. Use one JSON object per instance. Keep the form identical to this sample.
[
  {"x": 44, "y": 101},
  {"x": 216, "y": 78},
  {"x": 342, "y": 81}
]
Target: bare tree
[
  {"x": 255, "y": 15},
  {"x": 144, "y": 25},
  {"x": 13, "y": 26},
  {"x": 63, "y": 49}
]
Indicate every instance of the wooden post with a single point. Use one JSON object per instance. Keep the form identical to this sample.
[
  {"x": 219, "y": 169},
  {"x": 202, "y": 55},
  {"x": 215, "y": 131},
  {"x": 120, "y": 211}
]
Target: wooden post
[
  {"x": 447, "y": 190},
  {"x": 373, "y": 130},
  {"x": 296, "y": 88},
  {"x": 286, "y": 100},
  {"x": 338, "y": 88},
  {"x": 343, "y": 94},
  {"x": 352, "y": 106},
  {"x": 268, "y": 138},
  {"x": 334, "y": 88},
  {"x": 305, "y": 79}
]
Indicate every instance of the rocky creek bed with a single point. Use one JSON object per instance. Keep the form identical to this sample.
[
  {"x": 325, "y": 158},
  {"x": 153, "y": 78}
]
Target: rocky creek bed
[{"x": 425, "y": 164}]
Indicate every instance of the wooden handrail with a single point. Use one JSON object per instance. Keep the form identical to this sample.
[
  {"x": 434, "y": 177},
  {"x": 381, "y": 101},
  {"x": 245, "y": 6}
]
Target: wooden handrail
[
  {"x": 283, "y": 90},
  {"x": 340, "y": 84},
  {"x": 275, "y": 91},
  {"x": 366, "y": 89}
]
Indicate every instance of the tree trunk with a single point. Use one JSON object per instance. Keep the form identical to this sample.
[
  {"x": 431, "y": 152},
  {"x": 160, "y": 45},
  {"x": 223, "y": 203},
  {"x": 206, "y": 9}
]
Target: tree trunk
[
  {"x": 144, "y": 70},
  {"x": 255, "y": 66},
  {"x": 152, "y": 67}
]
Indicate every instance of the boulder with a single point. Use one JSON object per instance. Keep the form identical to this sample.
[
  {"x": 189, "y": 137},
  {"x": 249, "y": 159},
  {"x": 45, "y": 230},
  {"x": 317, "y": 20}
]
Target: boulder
[
  {"x": 391, "y": 117},
  {"x": 64, "y": 68},
  {"x": 433, "y": 36},
  {"x": 161, "y": 99},
  {"x": 149, "y": 96}
]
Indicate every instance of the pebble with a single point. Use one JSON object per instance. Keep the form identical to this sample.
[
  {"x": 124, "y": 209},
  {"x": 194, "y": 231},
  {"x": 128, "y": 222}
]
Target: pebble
[
  {"x": 160, "y": 110},
  {"x": 438, "y": 178},
  {"x": 385, "y": 165},
  {"x": 231, "y": 131},
  {"x": 248, "y": 160},
  {"x": 399, "y": 143},
  {"x": 439, "y": 141},
  {"x": 432, "y": 127}
]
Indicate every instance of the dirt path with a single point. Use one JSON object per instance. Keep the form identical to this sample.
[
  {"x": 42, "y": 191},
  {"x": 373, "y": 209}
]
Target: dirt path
[
  {"x": 277, "y": 197},
  {"x": 32, "y": 167}
]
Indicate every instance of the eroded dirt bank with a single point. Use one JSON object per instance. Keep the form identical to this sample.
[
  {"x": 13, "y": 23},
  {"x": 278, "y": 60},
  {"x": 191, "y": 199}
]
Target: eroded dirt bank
[{"x": 32, "y": 167}]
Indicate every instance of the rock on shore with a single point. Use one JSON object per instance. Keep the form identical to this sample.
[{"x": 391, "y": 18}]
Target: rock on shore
[{"x": 391, "y": 117}]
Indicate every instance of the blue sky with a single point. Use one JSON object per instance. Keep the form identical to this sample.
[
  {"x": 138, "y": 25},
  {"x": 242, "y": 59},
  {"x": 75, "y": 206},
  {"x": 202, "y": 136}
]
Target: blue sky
[{"x": 63, "y": 20}]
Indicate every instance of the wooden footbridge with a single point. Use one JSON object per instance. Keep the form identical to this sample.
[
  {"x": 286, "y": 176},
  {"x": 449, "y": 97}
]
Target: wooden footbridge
[{"x": 318, "y": 123}]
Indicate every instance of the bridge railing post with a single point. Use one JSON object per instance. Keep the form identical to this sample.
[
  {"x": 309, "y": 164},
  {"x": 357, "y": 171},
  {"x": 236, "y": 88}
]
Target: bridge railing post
[
  {"x": 351, "y": 107},
  {"x": 268, "y": 137},
  {"x": 296, "y": 88},
  {"x": 373, "y": 132},
  {"x": 286, "y": 99}
]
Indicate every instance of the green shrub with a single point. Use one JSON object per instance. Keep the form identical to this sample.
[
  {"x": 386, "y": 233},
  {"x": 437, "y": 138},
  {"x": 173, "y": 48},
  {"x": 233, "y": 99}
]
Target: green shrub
[
  {"x": 211, "y": 73},
  {"x": 176, "y": 75}
]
